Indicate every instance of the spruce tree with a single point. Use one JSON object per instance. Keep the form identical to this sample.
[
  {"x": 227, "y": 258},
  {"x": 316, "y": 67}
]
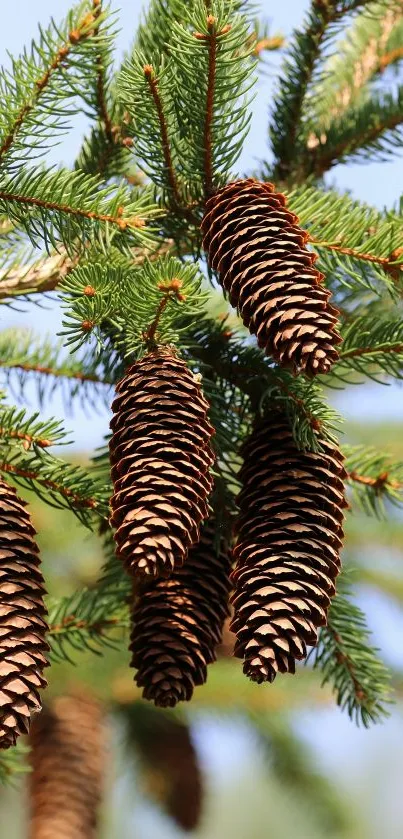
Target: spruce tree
[{"x": 135, "y": 242}]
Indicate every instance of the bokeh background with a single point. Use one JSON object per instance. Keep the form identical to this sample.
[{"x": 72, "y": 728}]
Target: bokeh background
[{"x": 278, "y": 761}]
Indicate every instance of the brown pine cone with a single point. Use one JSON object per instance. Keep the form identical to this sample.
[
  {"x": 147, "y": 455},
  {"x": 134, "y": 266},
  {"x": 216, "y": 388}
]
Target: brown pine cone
[
  {"x": 177, "y": 623},
  {"x": 22, "y": 619},
  {"x": 287, "y": 554},
  {"x": 170, "y": 762},
  {"x": 68, "y": 759},
  {"x": 257, "y": 248},
  {"x": 161, "y": 456}
]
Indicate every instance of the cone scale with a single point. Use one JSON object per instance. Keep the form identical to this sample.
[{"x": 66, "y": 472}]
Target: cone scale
[
  {"x": 258, "y": 250},
  {"x": 290, "y": 532}
]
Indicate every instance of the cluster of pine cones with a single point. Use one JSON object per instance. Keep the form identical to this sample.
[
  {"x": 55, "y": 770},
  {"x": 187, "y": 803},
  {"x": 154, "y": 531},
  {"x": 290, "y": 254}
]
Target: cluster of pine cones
[{"x": 289, "y": 529}]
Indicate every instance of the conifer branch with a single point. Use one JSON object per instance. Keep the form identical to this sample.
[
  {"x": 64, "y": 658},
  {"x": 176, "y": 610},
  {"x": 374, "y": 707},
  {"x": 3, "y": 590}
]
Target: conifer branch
[
  {"x": 298, "y": 72},
  {"x": 357, "y": 352},
  {"x": 135, "y": 222},
  {"x": 87, "y": 620},
  {"x": 54, "y": 371},
  {"x": 32, "y": 475},
  {"x": 391, "y": 57},
  {"x": 349, "y": 662},
  {"x": 43, "y": 275},
  {"x": 85, "y": 29},
  {"x": 101, "y": 84},
  {"x": 323, "y": 157},
  {"x": 27, "y": 439},
  {"x": 384, "y": 261},
  {"x": 208, "y": 129},
  {"x": 152, "y": 82},
  {"x": 170, "y": 290}
]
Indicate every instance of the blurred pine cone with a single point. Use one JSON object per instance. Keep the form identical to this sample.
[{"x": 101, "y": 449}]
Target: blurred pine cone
[
  {"x": 169, "y": 760},
  {"x": 68, "y": 762},
  {"x": 177, "y": 623},
  {"x": 161, "y": 456},
  {"x": 257, "y": 248},
  {"x": 22, "y": 619},
  {"x": 287, "y": 553}
]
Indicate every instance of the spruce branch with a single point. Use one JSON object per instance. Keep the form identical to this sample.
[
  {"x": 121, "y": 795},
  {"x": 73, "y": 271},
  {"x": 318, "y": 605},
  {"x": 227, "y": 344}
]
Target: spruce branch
[
  {"x": 32, "y": 86},
  {"x": 371, "y": 45},
  {"x": 357, "y": 244},
  {"x": 372, "y": 347},
  {"x": 74, "y": 208},
  {"x": 227, "y": 360},
  {"x": 55, "y": 481},
  {"x": 211, "y": 39},
  {"x": 153, "y": 85},
  {"x": 26, "y": 357},
  {"x": 298, "y": 71},
  {"x": 349, "y": 663},
  {"x": 13, "y": 763},
  {"x": 375, "y": 126},
  {"x": 102, "y": 83},
  {"x": 40, "y": 276},
  {"x": 33, "y": 432},
  {"x": 89, "y": 619},
  {"x": 375, "y": 478},
  {"x": 211, "y": 49}
]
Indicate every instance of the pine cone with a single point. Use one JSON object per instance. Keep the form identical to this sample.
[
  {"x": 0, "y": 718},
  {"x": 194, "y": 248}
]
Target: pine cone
[
  {"x": 170, "y": 762},
  {"x": 68, "y": 761},
  {"x": 289, "y": 537},
  {"x": 177, "y": 623},
  {"x": 161, "y": 455},
  {"x": 22, "y": 619},
  {"x": 256, "y": 246}
]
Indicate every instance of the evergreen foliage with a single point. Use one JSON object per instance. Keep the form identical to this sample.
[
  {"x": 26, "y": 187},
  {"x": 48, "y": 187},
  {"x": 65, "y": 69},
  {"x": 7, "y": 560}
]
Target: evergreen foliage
[{"x": 116, "y": 241}]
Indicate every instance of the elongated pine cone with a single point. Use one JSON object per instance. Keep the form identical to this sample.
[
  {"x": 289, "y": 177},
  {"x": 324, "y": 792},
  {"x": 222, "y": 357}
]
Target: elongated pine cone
[
  {"x": 161, "y": 456},
  {"x": 170, "y": 763},
  {"x": 287, "y": 554},
  {"x": 68, "y": 760},
  {"x": 22, "y": 619},
  {"x": 255, "y": 244},
  {"x": 177, "y": 623}
]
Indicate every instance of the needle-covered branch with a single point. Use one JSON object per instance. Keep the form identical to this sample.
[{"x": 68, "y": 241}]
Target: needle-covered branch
[
  {"x": 373, "y": 348},
  {"x": 87, "y": 620},
  {"x": 350, "y": 664},
  {"x": 37, "y": 94},
  {"x": 74, "y": 208},
  {"x": 375, "y": 479},
  {"x": 28, "y": 358},
  {"x": 298, "y": 72},
  {"x": 127, "y": 300},
  {"x": 371, "y": 45},
  {"x": 59, "y": 483}
]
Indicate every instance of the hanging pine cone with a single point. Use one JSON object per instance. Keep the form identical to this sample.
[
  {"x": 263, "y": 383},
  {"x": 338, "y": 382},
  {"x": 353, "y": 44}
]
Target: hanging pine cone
[
  {"x": 289, "y": 537},
  {"x": 22, "y": 619},
  {"x": 177, "y": 623},
  {"x": 68, "y": 760},
  {"x": 256, "y": 246},
  {"x": 161, "y": 455},
  {"x": 169, "y": 761}
]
